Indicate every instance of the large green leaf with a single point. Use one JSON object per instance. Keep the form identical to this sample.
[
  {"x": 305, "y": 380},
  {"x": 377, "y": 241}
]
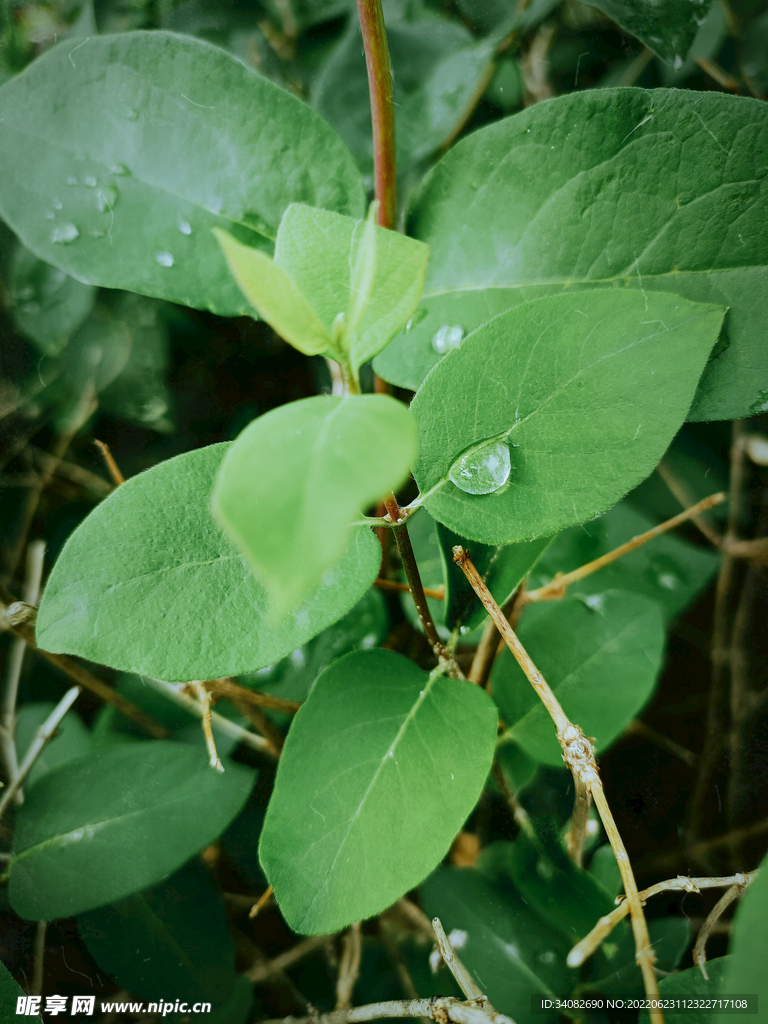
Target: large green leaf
[
  {"x": 120, "y": 153},
  {"x": 70, "y": 740},
  {"x": 46, "y": 304},
  {"x": 667, "y": 29},
  {"x": 335, "y": 284},
  {"x": 381, "y": 768},
  {"x": 10, "y": 993},
  {"x": 669, "y": 570},
  {"x": 749, "y": 944},
  {"x": 437, "y": 70},
  {"x": 557, "y": 408},
  {"x": 655, "y": 191},
  {"x": 512, "y": 953},
  {"x": 173, "y": 938},
  {"x": 601, "y": 656},
  {"x": 150, "y": 584},
  {"x": 96, "y": 829},
  {"x": 295, "y": 479},
  {"x": 691, "y": 984}
]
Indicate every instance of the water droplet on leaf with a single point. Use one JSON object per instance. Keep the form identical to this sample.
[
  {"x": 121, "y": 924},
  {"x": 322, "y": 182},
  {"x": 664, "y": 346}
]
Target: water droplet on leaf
[
  {"x": 165, "y": 259},
  {"x": 184, "y": 226},
  {"x": 57, "y": 204},
  {"x": 106, "y": 198},
  {"x": 132, "y": 114},
  {"x": 64, "y": 234},
  {"x": 120, "y": 169},
  {"x": 72, "y": 180},
  {"x": 89, "y": 181},
  {"x": 447, "y": 338},
  {"x": 417, "y": 317},
  {"x": 483, "y": 469}
]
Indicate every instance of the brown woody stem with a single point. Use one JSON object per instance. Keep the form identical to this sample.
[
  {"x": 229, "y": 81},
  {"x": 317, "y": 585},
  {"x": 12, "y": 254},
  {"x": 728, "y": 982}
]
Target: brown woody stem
[{"x": 382, "y": 108}]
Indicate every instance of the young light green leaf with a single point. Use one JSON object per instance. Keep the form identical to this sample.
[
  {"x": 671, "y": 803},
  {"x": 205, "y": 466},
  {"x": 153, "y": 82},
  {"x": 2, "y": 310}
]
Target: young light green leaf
[
  {"x": 295, "y": 479},
  {"x": 380, "y": 769},
  {"x": 274, "y": 296},
  {"x": 600, "y": 655},
  {"x": 585, "y": 391},
  {"x": 173, "y": 938},
  {"x": 668, "y": 30},
  {"x": 152, "y": 553},
  {"x": 96, "y": 829},
  {"x": 196, "y": 140},
  {"x": 659, "y": 190}
]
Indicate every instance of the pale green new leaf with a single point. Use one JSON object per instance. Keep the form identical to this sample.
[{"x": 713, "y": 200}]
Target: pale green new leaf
[
  {"x": 600, "y": 655},
  {"x": 381, "y": 768},
  {"x": 296, "y": 478},
  {"x": 274, "y": 296},
  {"x": 96, "y": 829},
  {"x": 658, "y": 190},
  {"x": 121, "y": 153},
  {"x": 584, "y": 391},
  {"x": 151, "y": 557}
]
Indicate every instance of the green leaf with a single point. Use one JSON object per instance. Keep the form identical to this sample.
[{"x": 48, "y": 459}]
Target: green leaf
[
  {"x": 381, "y": 768},
  {"x": 363, "y": 627},
  {"x": 10, "y": 993},
  {"x": 557, "y": 408},
  {"x": 152, "y": 553},
  {"x": 511, "y": 952},
  {"x": 71, "y": 739},
  {"x": 668, "y": 570},
  {"x": 171, "y": 939},
  {"x": 47, "y": 305},
  {"x": 336, "y": 283},
  {"x": 196, "y": 140},
  {"x": 437, "y": 69},
  {"x": 96, "y": 829},
  {"x": 291, "y": 484},
  {"x": 691, "y": 984},
  {"x": 601, "y": 656},
  {"x": 668, "y": 30},
  {"x": 501, "y": 568},
  {"x": 711, "y": 34},
  {"x": 274, "y": 296},
  {"x": 749, "y": 942},
  {"x": 658, "y": 190}
]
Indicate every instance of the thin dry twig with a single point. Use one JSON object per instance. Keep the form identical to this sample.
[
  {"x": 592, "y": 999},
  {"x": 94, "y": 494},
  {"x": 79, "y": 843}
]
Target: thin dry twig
[
  {"x": 464, "y": 979},
  {"x": 640, "y": 728},
  {"x": 491, "y": 644},
  {"x": 579, "y": 757},
  {"x": 556, "y": 588},
  {"x": 263, "y": 971},
  {"x": 445, "y": 1010},
  {"x": 36, "y": 988},
  {"x": 577, "y": 831},
  {"x": 43, "y": 735},
  {"x": 700, "y": 949},
  {"x": 261, "y": 902},
  {"x": 349, "y": 968},
  {"x": 109, "y": 461},
  {"x": 199, "y": 691},
  {"x": 679, "y": 490},
  {"x": 257, "y": 698},
  {"x": 438, "y": 593},
  {"x": 30, "y": 595},
  {"x": 602, "y": 929},
  {"x": 16, "y": 619}
]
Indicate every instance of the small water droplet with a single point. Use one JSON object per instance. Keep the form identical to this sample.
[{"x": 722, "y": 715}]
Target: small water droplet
[
  {"x": 89, "y": 181},
  {"x": 132, "y": 114},
  {"x": 106, "y": 198},
  {"x": 72, "y": 180},
  {"x": 417, "y": 317},
  {"x": 761, "y": 405},
  {"x": 57, "y": 204},
  {"x": 50, "y": 216},
  {"x": 668, "y": 580},
  {"x": 119, "y": 169},
  {"x": 165, "y": 259},
  {"x": 64, "y": 234},
  {"x": 29, "y": 308},
  {"x": 216, "y": 204},
  {"x": 184, "y": 226},
  {"x": 595, "y": 602},
  {"x": 482, "y": 469},
  {"x": 447, "y": 338}
]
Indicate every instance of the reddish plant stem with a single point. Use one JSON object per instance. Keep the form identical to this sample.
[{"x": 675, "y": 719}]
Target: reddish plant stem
[{"x": 382, "y": 108}]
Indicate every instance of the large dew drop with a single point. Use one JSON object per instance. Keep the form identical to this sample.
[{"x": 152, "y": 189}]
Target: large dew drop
[
  {"x": 446, "y": 338},
  {"x": 165, "y": 259},
  {"x": 483, "y": 469},
  {"x": 64, "y": 234}
]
